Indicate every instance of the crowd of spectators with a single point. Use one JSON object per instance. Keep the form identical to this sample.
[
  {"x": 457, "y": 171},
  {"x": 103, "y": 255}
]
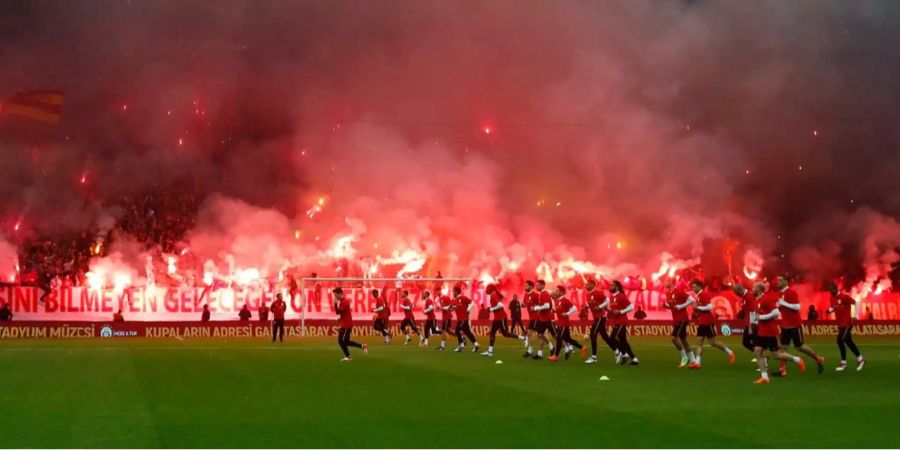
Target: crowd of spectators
[{"x": 159, "y": 220}]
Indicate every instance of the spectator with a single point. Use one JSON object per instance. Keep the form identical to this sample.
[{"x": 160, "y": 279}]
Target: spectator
[
  {"x": 205, "y": 316},
  {"x": 6, "y": 314},
  {"x": 640, "y": 314},
  {"x": 263, "y": 312},
  {"x": 869, "y": 315},
  {"x": 244, "y": 315},
  {"x": 118, "y": 317},
  {"x": 812, "y": 315}
]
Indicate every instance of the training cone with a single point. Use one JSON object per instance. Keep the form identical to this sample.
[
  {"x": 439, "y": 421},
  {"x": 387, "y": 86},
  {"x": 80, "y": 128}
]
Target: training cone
[
  {"x": 604, "y": 378},
  {"x": 498, "y": 362}
]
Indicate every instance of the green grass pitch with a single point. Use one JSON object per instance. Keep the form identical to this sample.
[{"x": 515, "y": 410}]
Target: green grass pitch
[{"x": 249, "y": 393}]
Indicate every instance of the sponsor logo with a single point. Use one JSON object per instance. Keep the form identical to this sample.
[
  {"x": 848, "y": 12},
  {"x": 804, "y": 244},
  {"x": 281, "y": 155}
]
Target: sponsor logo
[
  {"x": 726, "y": 330},
  {"x": 107, "y": 331}
]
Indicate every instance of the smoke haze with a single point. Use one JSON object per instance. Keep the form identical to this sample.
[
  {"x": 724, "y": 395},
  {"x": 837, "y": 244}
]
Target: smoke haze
[{"x": 490, "y": 136}]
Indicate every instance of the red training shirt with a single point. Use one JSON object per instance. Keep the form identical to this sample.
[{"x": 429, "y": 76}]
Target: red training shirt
[
  {"x": 563, "y": 306},
  {"x": 748, "y": 306},
  {"x": 496, "y": 299},
  {"x": 278, "y": 309},
  {"x": 430, "y": 314},
  {"x": 675, "y": 298},
  {"x": 789, "y": 317},
  {"x": 462, "y": 308},
  {"x": 705, "y": 317},
  {"x": 765, "y": 305},
  {"x": 619, "y": 301},
  {"x": 842, "y": 305},
  {"x": 345, "y": 314},
  {"x": 446, "y": 302},
  {"x": 595, "y": 299},
  {"x": 408, "y": 313},
  {"x": 531, "y": 300},
  {"x": 544, "y": 300}
]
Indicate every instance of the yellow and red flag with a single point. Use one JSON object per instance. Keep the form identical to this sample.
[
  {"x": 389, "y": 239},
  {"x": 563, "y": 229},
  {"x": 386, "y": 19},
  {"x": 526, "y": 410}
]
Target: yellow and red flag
[{"x": 43, "y": 106}]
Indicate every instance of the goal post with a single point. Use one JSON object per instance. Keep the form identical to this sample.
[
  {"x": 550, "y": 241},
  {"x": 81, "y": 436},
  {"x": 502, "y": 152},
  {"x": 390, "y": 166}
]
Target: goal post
[{"x": 364, "y": 282}]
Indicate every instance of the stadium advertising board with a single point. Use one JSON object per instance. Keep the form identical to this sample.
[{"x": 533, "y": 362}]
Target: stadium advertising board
[
  {"x": 327, "y": 328},
  {"x": 186, "y": 304}
]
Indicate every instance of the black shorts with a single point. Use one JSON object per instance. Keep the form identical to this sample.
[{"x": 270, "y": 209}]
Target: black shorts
[
  {"x": 532, "y": 324},
  {"x": 792, "y": 336},
  {"x": 543, "y": 326},
  {"x": 707, "y": 331},
  {"x": 679, "y": 330},
  {"x": 446, "y": 325},
  {"x": 769, "y": 343}
]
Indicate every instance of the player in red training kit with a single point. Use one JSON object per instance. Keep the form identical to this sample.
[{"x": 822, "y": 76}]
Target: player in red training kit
[
  {"x": 464, "y": 307},
  {"x": 430, "y": 319},
  {"x": 530, "y": 300},
  {"x": 499, "y": 323},
  {"x": 543, "y": 308},
  {"x": 619, "y": 308},
  {"x": 409, "y": 319},
  {"x": 345, "y": 322},
  {"x": 678, "y": 302},
  {"x": 382, "y": 313},
  {"x": 842, "y": 307},
  {"x": 706, "y": 325},
  {"x": 766, "y": 339},
  {"x": 564, "y": 309},
  {"x": 447, "y": 305},
  {"x": 598, "y": 304},
  {"x": 748, "y": 310},
  {"x": 792, "y": 325}
]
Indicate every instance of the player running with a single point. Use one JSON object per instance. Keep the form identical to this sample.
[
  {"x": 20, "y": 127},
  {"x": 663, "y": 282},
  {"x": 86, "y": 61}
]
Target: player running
[
  {"x": 598, "y": 304},
  {"x": 382, "y": 312},
  {"x": 678, "y": 302},
  {"x": 619, "y": 308},
  {"x": 447, "y": 305},
  {"x": 706, "y": 325},
  {"x": 792, "y": 324},
  {"x": 841, "y": 306},
  {"x": 409, "y": 319},
  {"x": 543, "y": 308},
  {"x": 766, "y": 338},
  {"x": 530, "y": 301},
  {"x": 345, "y": 322},
  {"x": 499, "y": 323},
  {"x": 564, "y": 309},
  {"x": 430, "y": 327},
  {"x": 464, "y": 307},
  {"x": 748, "y": 309}
]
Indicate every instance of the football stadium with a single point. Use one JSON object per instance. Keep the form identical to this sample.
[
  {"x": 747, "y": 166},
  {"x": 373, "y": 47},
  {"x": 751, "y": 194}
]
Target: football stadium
[{"x": 441, "y": 224}]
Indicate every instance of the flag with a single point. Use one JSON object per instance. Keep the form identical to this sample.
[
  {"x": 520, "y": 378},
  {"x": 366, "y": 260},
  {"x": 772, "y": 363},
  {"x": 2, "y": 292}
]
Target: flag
[{"x": 43, "y": 106}]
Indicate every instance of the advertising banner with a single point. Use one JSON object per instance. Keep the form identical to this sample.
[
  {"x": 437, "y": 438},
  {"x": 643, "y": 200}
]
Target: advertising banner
[
  {"x": 328, "y": 328},
  {"x": 186, "y": 303}
]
